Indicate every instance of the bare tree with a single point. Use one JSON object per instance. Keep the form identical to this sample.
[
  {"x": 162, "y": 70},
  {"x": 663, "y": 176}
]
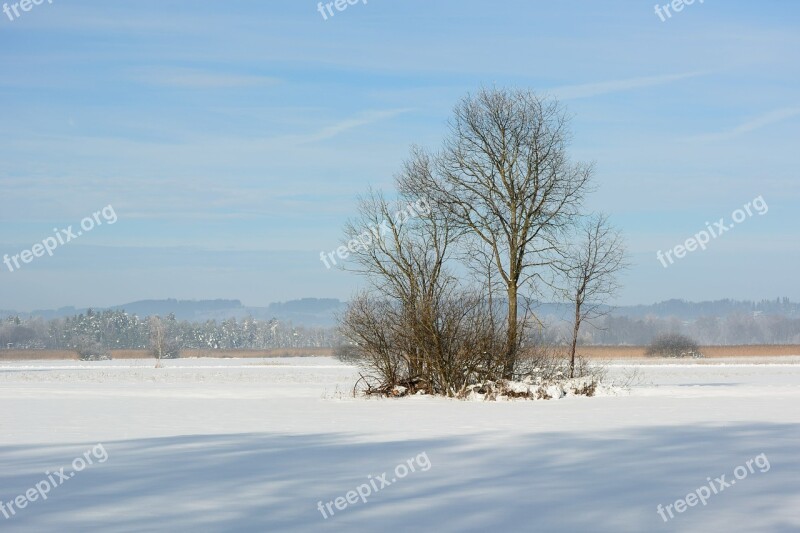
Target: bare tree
[
  {"x": 402, "y": 259},
  {"x": 504, "y": 178},
  {"x": 164, "y": 340},
  {"x": 590, "y": 271},
  {"x": 415, "y": 327}
]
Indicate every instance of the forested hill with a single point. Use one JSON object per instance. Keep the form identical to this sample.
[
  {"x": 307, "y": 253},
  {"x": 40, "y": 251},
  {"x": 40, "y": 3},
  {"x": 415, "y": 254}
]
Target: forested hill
[{"x": 321, "y": 311}]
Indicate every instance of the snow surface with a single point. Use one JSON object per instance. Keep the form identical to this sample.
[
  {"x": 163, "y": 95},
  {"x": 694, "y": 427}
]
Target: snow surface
[{"x": 252, "y": 445}]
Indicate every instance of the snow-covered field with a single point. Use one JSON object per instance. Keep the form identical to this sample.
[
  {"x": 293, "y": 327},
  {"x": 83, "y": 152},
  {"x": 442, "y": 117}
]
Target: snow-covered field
[{"x": 253, "y": 445}]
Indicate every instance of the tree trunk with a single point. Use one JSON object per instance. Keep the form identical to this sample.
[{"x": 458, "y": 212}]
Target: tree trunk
[
  {"x": 574, "y": 340},
  {"x": 511, "y": 339}
]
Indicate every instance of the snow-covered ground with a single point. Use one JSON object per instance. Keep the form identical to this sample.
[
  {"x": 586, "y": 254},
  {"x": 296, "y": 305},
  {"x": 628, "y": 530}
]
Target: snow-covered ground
[{"x": 253, "y": 445}]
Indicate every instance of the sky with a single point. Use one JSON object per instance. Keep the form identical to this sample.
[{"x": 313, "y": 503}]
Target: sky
[{"x": 228, "y": 141}]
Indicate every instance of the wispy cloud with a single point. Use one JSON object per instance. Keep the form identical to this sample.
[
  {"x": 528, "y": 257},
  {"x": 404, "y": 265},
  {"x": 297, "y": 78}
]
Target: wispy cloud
[
  {"x": 362, "y": 119},
  {"x": 198, "y": 78},
  {"x": 587, "y": 90},
  {"x": 759, "y": 122}
]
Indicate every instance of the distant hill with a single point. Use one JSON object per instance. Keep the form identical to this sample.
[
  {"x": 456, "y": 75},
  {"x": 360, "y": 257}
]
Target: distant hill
[
  {"x": 719, "y": 308},
  {"x": 321, "y": 312},
  {"x": 182, "y": 309}
]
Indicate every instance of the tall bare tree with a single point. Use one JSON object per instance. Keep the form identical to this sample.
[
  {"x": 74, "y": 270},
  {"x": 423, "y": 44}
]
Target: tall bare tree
[
  {"x": 590, "y": 270},
  {"x": 505, "y": 179}
]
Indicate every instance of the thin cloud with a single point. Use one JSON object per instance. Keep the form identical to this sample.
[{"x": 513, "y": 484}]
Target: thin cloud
[
  {"x": 199, "y": 79},
  {"x": 571, "y": 92},
  {"x": 363, "y": 119},
  {"x": 757, "y": 123}
]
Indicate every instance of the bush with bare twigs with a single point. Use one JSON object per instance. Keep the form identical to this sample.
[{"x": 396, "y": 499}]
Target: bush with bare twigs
[
  {"x": 674, "y": 345},
  {"x": 90, "y": 349}
]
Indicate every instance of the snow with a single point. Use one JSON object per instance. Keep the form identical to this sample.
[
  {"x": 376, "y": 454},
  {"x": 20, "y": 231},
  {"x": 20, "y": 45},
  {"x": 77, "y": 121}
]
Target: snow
[{"x": 254, "y": 445}]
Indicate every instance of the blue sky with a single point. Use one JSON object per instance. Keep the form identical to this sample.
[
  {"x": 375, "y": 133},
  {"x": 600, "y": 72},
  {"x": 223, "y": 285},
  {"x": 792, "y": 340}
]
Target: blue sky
[{"x": 232, "y": 138}]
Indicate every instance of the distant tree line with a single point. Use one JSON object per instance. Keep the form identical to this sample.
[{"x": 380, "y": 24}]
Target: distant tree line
[
  {"x": 735, "y": 329},
  {"x": 118, "y": 330}
]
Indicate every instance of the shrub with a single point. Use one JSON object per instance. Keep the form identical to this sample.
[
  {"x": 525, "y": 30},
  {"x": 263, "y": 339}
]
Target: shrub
[
  {"x": 90, "y": 349},
  {"x": 673, "y": 345},
  {"x": 348, "y": 354},
  {"x": 435, "y": 345}
]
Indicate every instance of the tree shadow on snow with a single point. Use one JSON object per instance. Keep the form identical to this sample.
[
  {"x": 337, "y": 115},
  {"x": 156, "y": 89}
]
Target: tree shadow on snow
[{"x": 485, "y": 482}]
